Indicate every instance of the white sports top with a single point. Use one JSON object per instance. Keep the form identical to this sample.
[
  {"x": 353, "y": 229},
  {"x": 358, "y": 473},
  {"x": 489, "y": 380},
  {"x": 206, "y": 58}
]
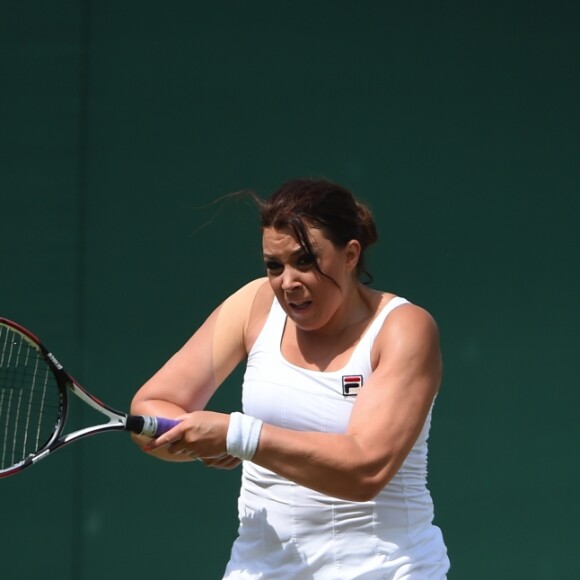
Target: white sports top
[{"x": 290, "y": 532}]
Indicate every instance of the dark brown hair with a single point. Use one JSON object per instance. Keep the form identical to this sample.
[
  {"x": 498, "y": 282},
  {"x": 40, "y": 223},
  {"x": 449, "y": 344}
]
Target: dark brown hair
[{"x": 323, "y": 204}]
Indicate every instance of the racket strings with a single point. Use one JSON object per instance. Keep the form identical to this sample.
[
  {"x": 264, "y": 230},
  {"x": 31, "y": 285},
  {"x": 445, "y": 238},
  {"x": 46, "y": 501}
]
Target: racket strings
[{"x": 29, "y": 398}]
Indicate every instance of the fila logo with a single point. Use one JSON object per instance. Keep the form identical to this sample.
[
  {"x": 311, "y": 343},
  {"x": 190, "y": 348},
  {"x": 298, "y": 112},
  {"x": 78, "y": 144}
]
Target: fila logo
[{"x": 351, "y": 385}]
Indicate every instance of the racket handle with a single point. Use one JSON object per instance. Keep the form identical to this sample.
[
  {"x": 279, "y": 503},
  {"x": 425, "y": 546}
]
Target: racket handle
[{"x": 149, "y": 426}]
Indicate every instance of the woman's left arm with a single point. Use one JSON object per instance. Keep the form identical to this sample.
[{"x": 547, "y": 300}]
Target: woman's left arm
[{"x": 386, "y": 420}]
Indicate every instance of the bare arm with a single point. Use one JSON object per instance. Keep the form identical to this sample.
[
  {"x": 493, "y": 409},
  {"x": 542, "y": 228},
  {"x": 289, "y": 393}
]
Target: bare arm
[{"x": 191, "y": 376}]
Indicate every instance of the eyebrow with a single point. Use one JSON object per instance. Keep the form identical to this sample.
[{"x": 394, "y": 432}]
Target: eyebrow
[{"x": 294, "y": 253}]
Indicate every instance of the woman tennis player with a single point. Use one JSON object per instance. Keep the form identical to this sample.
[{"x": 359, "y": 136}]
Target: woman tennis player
[{"x": 337, "y": 396}]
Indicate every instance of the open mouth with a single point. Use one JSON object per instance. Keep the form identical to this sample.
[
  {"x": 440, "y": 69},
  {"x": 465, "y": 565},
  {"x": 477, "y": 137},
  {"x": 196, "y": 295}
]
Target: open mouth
[{"x": 299, "y": 306}]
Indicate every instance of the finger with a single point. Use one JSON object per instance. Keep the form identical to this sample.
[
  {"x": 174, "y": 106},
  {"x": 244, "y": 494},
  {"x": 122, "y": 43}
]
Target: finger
[{"x": 166, "y": 439}]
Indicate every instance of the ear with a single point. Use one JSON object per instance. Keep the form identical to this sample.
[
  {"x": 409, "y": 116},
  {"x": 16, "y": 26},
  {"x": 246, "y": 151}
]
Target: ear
[{"x": 352, "y": 254}]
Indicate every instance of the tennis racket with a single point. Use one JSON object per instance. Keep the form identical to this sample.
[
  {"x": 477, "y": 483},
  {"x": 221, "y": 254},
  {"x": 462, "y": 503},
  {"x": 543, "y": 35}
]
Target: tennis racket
[{"x": 34, "y": 403}]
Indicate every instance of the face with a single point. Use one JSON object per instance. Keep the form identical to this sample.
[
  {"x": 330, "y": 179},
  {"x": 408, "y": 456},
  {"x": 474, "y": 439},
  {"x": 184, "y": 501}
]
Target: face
[{"x": 311, "y": 299}]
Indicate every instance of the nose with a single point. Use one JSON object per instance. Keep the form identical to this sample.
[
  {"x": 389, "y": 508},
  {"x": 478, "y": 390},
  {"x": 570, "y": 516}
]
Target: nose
[{"x": 290, "y": 280}]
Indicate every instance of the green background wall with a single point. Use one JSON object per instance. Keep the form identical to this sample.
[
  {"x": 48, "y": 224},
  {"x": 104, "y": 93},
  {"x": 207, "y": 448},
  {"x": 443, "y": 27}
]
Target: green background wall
[{"x": 458, "y": 122}]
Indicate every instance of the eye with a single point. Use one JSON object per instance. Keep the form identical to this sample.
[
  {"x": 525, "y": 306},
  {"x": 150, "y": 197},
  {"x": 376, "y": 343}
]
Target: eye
[
  {"x": 305, "y": 261},
  {"x": 272, "y": 266}
]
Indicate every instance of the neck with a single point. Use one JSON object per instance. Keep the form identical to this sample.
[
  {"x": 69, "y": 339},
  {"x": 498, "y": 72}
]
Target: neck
[{"x": 355, "y": 308}]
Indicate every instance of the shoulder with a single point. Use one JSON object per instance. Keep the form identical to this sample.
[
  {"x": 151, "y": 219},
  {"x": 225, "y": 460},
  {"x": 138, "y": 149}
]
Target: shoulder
[
  {"x": 408, "y": 321},
  {"x": 237, "y": 308},
  {"x": 243, "y": 299},
  {"x": 406, "y": 314},
  {"x": 409, "y": 331},
  {"x": 252, "y": 302}
]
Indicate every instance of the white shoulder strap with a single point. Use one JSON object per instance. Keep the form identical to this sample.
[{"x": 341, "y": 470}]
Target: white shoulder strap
[{"x": 379, "y": 320}]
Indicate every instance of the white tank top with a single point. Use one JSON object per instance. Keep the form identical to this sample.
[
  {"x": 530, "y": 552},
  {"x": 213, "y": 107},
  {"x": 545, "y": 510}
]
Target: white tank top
[{"x": 278, "y": 517}]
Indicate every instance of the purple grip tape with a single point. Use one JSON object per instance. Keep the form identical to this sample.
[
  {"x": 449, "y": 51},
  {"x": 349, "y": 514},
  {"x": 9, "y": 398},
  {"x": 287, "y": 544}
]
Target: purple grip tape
[
  {"x": 150, "y": 426},
  {"x": 164, "y": 425}
]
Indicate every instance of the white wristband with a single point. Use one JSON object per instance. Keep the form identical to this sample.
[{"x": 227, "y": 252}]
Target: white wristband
[{"x": 243, "y": 436}]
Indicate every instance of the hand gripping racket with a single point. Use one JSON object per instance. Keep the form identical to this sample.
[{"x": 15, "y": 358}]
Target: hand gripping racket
[{"x": 34, "y": 402}]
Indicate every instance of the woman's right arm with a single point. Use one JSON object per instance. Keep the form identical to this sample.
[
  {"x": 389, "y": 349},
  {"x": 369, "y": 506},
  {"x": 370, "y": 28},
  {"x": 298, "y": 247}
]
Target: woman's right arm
[{"x": 187, "y": 381}]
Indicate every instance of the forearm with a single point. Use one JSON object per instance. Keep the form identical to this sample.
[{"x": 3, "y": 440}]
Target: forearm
[{"x": 334, "y": 464}]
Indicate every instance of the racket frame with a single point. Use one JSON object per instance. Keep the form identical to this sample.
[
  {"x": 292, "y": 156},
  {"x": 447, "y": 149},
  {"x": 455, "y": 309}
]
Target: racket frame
[{"x": 117, "y": 421}]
